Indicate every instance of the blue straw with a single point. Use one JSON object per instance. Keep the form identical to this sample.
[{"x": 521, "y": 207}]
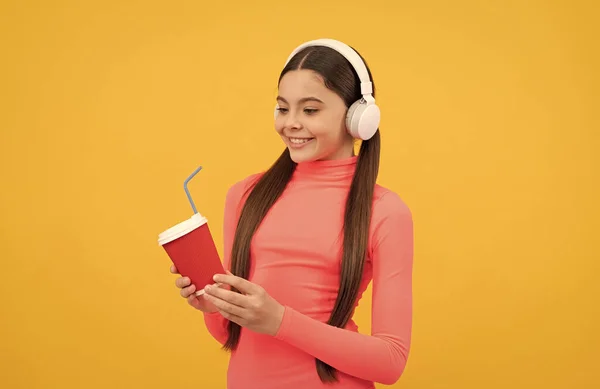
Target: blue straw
[{"x": 187, "y": 192}]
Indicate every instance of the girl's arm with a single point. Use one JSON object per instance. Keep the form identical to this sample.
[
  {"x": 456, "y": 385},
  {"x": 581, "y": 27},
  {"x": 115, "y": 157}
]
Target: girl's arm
[{"x": 382, "y": 356}]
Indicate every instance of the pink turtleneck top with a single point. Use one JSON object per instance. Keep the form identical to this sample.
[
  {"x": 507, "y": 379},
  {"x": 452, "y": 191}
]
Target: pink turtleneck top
[{"x": 296, "y": 259}]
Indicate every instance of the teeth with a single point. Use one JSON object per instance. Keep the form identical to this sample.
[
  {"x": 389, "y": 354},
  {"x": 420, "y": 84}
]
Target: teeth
[{"x": 299, "y": 141}]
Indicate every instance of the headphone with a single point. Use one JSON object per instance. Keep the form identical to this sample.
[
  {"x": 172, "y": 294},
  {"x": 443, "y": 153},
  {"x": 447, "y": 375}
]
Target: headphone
[{"x": 363, "y": 116}]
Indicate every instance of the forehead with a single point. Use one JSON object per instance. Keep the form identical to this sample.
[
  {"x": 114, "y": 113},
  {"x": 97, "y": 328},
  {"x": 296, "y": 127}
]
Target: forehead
[{"x": 299, "y": 83}]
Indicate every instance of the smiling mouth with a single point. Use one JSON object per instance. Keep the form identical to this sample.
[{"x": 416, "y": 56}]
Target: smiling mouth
[{"x": 299, "y": 141}]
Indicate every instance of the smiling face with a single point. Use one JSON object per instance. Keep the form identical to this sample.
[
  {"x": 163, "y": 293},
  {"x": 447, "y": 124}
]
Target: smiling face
[{"x": 311, "y": 118}]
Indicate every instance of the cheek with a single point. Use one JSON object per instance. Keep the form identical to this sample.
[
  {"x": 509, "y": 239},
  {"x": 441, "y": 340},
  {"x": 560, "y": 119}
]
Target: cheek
[
  {"x": 330, "y": 131},
  {"x": 278, "y": 126}
]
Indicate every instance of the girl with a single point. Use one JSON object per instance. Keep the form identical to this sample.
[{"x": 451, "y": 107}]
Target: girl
[{"x": 303, "y": 240}]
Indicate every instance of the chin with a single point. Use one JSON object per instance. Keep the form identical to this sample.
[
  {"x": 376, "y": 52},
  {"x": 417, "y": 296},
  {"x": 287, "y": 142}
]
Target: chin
[{"x": 300, "y": 156}]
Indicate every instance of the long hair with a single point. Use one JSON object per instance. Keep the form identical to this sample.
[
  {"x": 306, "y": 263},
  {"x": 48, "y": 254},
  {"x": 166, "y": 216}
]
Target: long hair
[{"x": 340, "y": 77}]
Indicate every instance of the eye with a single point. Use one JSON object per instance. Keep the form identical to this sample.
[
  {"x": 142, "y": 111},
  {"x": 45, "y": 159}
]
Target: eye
[
  {"x": 282, "y": 110},
  {"x": 310, "y": 111}
]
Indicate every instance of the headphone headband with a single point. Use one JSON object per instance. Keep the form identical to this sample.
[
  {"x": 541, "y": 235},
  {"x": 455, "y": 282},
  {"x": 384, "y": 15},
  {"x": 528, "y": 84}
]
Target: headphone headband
[{"x": 366, "y": 87}]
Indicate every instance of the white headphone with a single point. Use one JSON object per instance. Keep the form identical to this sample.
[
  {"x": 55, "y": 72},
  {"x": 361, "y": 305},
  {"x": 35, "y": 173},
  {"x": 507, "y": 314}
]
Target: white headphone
[{"x": 362, "y": 119}]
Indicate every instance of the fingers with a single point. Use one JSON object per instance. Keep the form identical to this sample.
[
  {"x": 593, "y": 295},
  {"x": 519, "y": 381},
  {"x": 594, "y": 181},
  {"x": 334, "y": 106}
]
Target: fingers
[
  {"x": 185, "y": 285},
  {"x": 231, "y": 297},
  {"x": 228, "y": 310},
  {"x": 234, "y": 318},
  {"x": 189, "y": 291},
  {"x": 239, "y": 283},
  {"x": 174, "y": 270},
  {"x": 182, "y": 282}
]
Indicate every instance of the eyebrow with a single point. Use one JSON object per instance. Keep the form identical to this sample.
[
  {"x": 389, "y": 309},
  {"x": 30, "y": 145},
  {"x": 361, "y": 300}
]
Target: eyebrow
[{"x": 302, "y": 100}]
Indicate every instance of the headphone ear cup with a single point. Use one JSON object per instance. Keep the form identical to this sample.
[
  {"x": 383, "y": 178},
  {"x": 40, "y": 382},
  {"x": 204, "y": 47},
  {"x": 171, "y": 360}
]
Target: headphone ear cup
[{"x": 362, "y": 119}]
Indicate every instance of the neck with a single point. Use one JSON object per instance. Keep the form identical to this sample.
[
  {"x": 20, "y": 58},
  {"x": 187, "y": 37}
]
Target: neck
[
  {"x": 344, "y": 152},
  {"x": 340, "y": 169}
]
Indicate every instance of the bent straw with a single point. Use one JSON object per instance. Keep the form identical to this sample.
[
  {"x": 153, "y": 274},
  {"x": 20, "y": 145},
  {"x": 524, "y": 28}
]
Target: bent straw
[{"x": 187, "y": 192}]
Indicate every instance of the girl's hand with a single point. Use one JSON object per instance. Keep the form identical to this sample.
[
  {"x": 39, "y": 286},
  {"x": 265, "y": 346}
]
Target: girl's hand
[
  {"x": 188, "y": 291},
  {"x": 252, "y": 308}
]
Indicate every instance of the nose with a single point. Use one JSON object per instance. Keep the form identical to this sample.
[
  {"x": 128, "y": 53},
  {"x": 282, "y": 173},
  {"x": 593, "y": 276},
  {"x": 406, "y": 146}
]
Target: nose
[{"x": 291, "y": 122}]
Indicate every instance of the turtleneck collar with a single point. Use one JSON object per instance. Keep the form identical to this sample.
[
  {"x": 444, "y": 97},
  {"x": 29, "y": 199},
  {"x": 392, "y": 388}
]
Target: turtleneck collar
[{"x": 334, "y": 169}]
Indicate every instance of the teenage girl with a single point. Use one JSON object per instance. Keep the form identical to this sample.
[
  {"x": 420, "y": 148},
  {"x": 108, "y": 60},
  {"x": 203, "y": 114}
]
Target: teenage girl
[{"x": 303, "y": 240}]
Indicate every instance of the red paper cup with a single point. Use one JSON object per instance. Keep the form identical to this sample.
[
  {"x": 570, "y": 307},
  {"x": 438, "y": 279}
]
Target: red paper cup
[{"x": 191, "y": 248}]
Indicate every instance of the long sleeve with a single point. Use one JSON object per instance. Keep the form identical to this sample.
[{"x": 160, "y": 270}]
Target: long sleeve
[
  {"x": 382, "y": 356},
  {"x": 215, "y": 322}
]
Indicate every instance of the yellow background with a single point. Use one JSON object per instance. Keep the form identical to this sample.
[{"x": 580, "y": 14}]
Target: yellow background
[{"x": 490, "y": 133}]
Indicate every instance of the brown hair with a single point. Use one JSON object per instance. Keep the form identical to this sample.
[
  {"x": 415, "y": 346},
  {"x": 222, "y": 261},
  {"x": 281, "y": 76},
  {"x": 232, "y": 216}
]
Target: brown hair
[{"x": 340, "y": 77}]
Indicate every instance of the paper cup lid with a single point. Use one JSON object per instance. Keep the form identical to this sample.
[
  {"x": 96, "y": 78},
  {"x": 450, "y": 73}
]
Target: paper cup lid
[{"x": 181, "y": 229}]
